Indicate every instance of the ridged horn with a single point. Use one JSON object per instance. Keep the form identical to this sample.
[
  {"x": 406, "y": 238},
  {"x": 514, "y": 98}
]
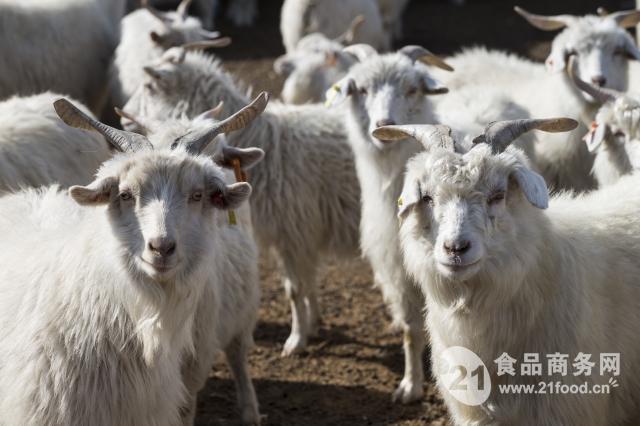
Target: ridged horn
[
  {"x": 196, "y": 143},
  {"x": 121, "y": 140}
]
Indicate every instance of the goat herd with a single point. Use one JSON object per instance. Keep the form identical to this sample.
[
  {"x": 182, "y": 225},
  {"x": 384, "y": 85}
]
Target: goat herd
[{"x": 128, "y": 256}]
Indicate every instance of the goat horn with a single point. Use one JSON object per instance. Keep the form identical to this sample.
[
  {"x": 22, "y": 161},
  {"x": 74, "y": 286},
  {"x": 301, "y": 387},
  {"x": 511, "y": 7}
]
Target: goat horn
[
  {"x": 625, "y": 18},
  {"x": 207, "y": 44},
  {"x": 197, "y": 143},
  {"x": 360, "y": 51},
  {"x": 348, "y": 37},
  {"x": 209, "y": 35},
  {"x": 600, "y": 94},
  {"x": 545, "y": 23},
  {"x": 183, "y": 9},
  {"x": 601, "y": 11},
  {"x": 123, "y": 114},
  {"x": 119, "y": 139},
  {"x": 217, "y": 109},
  {"x": 429, "y": 135},
  {"x": 419, "y": 53},
  {"x": 500, "y": 134}
]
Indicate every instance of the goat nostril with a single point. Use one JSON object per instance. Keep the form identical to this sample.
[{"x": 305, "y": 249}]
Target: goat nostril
[
  {"x": 599, "y": 80},
  {"x": 457, "y": 247},
  {"x": 171, "y": 248},
  {"x": 162, "y": 246},
  {"x": 385, "y": 122}
]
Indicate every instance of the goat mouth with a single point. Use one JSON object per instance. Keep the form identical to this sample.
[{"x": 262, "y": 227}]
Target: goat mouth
[
  {"x": 160, "y": 267},
  {"x": 458, "y": 267}
]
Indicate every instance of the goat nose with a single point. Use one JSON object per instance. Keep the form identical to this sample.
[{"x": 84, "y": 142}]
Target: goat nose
[
  {"x": 385, "y": 122},
  {"x": 599, "y": 80},
  {"x": 162, "y": 246},
  {"x": 457, "y": 247}
]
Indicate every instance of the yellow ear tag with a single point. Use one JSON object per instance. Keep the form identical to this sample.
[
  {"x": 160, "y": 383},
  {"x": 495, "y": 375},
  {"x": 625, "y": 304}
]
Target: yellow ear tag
[
  {"x": 400, "y": 202},
  {"x": 232, "y": 218},
  {"x": 335, "y": 89}
]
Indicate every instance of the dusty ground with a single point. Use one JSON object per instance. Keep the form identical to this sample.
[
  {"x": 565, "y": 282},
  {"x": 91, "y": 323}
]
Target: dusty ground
[
  {"x": 348, "y": 373},
  {"x": 350, "y": 370}
]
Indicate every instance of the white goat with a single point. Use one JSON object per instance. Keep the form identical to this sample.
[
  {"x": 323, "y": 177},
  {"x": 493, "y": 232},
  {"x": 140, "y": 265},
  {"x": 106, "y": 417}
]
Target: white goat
[
  {"x": 307, "y": 193},
  {"x": 614, "y": 137},
  {"x": 383, "y": 90},
  {"x": 390, "y": 89},
  {"x": 37, "y": 149},
  {"x": 500, "y": 275},
  {"x": 601, "y": 47},
  {"x": 146, "y": 34},
  {"x": 162, "y": 133},
  {"x": 315, "y": 65},
  {"x": 330, "y": 17},
  {"x": 42, "y": 50},
  {"x": 140, "y": 313}
]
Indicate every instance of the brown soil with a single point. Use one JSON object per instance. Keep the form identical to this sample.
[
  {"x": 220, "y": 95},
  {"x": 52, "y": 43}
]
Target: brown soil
[{"x": 349, "y": 372}]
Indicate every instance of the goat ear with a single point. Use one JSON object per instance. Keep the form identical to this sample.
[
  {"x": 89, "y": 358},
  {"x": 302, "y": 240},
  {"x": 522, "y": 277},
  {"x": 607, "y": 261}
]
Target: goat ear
[
  {"x": 532, "y": 186},
  {"x": 96, "y": 193},
  {"x": 156, "y": 38},
  {"x": 232, "y": 196},
  {"x": 596, "y": 135},
  {"x": 248, "y": 157},
  {"x": 410, "y": 197},
  {"x": 340, "y": 91},
  {"x": 284, "y": 65},
  {"x": 557, "y": 60},
  {"x": 433, "y": 86},
  {"x": 156, "y": 74}
]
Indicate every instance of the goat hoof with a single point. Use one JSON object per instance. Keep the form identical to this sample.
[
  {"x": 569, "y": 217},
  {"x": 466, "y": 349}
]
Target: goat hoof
[
  {"x": 408, "y": 391},
  {"x": 294, "y": 345}
]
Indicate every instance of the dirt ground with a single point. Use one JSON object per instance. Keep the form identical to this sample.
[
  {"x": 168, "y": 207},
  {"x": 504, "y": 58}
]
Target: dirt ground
[{"x": 349, "y": 372}]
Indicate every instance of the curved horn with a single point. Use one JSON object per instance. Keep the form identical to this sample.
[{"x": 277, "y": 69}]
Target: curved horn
[
  {"x": 183, "y": 9},
  {"x": 545, "y": 23},
  {"x": 500, "y": 134},
  {"x": 196, "y": 143},
  {"x": 119, "y": 139},
  {"x": 419, "y": 53},
  {"x": 600, "y": 94},
  {"x": 429, "y": 135},
  {"x": 625, "y": 18},
  {"x": 349, "y": 36},
  {"x": 123, "y": 114},
  {"x": 208, "y": 35},
  {"x": 360, "y": 51},
  {"x": 217, "y": 110},
  {"x": 207, "y": 44}
]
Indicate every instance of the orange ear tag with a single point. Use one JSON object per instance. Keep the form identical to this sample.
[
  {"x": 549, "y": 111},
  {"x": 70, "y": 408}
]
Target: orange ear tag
[{"x": 240, "y": 177}]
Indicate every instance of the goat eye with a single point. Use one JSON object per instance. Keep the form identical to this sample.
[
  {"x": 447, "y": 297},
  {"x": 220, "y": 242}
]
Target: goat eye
[
  {"x": 426, "y": 198},
  {"x": 175, "y": 143},
  {"x": 412, "y": 91},
  {"x": 363, "y": 91},
  {"x": 125, "y": 195},
  {"x": 196, "y": 196},
  {"x": 496, "y": 198}
]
